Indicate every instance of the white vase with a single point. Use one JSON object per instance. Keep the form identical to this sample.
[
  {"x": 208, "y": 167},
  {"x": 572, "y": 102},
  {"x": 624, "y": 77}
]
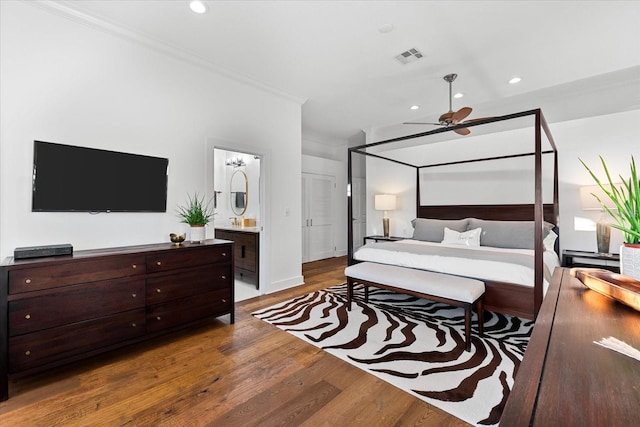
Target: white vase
[
  {"x": 198, "y": 233},
  {"x": 630, "y": 261}
]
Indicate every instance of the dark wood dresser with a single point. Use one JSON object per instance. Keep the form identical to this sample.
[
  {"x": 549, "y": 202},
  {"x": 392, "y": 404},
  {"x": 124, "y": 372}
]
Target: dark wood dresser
[
  {"x": 246, "y": 252},
  {"x": 567, "y": 380},
  {"x": 61, "y": 309}
]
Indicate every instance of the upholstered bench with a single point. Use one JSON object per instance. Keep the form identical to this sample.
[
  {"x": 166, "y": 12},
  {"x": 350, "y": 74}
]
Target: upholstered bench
[{"x": 454, "y": 290}]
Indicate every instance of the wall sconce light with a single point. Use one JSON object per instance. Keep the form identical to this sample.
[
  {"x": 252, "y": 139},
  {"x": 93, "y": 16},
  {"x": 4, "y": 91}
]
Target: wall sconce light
[
  {"x": 235, "y": 162},
  {"x": 385, "y": 202},
  {"x": 589, "y": 202}
]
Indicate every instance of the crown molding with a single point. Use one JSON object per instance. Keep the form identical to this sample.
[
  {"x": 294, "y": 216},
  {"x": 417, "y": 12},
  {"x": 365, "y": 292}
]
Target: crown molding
[{"x": 158, "y": 46}]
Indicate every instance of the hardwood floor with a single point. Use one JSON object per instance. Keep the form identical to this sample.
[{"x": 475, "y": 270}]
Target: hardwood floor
[{"x": 246, "y": 374}]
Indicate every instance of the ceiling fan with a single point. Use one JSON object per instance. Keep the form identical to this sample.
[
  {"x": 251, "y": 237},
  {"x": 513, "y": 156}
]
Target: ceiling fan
[{"x": 451, "y": 118}]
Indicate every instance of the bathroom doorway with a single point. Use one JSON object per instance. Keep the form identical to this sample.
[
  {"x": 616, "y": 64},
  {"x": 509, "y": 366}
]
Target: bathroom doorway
[{"x": 237, "y": 198}]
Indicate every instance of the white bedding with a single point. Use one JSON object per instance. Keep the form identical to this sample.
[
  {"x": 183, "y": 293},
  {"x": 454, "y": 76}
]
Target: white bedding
[{"x": 481, "y": 269}]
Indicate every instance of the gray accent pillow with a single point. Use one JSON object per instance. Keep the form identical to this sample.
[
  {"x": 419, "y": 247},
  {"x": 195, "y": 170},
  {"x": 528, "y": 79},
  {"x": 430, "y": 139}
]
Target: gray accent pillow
[
  {"x": 508, "y": 234},
  {"x": 432, "y": 230}
]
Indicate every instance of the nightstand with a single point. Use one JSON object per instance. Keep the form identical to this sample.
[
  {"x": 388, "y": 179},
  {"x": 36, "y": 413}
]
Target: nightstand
[
  {"x": 382, "y": 238},
  {"x": 591, "y": 259}
]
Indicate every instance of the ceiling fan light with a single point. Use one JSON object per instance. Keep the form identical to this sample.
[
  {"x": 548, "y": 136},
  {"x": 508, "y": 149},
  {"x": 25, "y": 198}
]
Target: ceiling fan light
[
  {"x": 458, "y": 95},
  {"x": 198, "y": 7},
  {"x": 515, "y": 80}
]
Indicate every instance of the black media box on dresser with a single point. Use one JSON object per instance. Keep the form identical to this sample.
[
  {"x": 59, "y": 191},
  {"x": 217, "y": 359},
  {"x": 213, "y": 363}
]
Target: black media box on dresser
[{"x": 57, "y": 310}]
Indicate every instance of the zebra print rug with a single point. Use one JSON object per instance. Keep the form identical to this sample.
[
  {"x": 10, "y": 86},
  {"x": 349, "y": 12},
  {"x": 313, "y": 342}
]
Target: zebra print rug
[{"x": 414, "y": 344}]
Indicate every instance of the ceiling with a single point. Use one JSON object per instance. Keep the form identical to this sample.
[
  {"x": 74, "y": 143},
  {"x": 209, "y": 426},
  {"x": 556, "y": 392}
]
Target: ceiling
[{"x": 576, "y": 58}]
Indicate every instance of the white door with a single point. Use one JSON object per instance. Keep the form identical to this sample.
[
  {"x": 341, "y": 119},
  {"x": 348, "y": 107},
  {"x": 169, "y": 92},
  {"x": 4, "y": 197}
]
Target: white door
[
  {"x": 359, "y": 219},
  {"x": 317, "y": 216}
]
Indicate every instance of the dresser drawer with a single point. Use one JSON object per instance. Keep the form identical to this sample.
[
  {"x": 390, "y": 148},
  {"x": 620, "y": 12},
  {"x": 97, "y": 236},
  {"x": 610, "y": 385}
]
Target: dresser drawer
[
  {"x": 38, "y": 348},
  {"x": 179, "y": 258},
  {"x": 192, "y": 282},
  {"x": 62, "y": 274},
  {"x": 185, "y": 310},
  {"x": 74, "y": 304}
]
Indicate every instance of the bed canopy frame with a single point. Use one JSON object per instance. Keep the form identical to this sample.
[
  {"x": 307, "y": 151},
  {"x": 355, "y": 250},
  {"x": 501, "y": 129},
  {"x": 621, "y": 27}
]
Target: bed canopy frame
[{"x": 538, "y": 211}]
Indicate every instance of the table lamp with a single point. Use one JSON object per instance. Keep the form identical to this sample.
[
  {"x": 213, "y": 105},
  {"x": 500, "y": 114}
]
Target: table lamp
[
  {"x": 588, "y": 202},
  {"x": 385, "y": 202}
]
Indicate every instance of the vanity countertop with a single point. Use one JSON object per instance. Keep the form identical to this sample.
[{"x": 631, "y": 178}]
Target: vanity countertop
[{"x": 238, "y": 228}]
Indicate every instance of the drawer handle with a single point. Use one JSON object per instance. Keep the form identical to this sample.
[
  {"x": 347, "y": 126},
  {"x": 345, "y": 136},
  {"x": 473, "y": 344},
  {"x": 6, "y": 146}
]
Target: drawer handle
[
  {"x": 27, "y": 281},
  {"x": 159, "y": 318},
  {"x": 28, "y": 316},
  {"x": 158, "y": 290},
  {"x": 158, "y": 263},
  {"x": 27, "y": 353},
  {"x": 224, "y": 277},
  {"x": 134, "y": 266},
  {"x": 133, "y": 295},
  {"x": 134, "y": 325},
  {"x": 224, "y": 300},
  {"x": 224, "y": 254}
]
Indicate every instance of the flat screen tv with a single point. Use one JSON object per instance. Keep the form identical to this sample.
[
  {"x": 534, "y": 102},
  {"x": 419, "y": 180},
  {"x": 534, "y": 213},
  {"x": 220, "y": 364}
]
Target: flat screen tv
[{"x": 67, "y": 178}]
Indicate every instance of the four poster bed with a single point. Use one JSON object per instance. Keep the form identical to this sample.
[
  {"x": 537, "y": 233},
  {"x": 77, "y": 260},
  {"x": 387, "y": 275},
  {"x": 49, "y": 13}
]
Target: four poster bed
[{"x": 512, "y": 248}]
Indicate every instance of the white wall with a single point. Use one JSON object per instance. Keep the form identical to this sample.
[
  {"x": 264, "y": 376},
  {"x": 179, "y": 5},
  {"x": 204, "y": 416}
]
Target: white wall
[
  {"x": 616, "y": 137},
  {"x": 67, "y": 82}
]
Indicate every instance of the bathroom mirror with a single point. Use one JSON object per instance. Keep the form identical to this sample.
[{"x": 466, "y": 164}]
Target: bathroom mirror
[{"x": 239, "y": 192}]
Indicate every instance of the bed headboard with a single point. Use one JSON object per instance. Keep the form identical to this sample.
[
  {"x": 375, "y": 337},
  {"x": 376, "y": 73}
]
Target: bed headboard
[{"x": 515, "y": 212}]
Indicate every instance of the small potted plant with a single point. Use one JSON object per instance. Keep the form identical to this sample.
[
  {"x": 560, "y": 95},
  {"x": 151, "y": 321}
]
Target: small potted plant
[
  {"x": 626, "y": 198},
  {"x": 197, "y": 214}
]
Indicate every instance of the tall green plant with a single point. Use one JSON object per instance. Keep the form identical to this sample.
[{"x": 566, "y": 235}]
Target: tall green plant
[
  {"x": 626, "y": 198},
  {"x": 196, "y": 212}
]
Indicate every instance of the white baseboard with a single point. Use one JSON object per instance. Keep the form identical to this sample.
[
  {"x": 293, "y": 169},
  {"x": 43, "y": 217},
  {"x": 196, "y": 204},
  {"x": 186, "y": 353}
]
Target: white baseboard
[{"x": 285, "y": 284}]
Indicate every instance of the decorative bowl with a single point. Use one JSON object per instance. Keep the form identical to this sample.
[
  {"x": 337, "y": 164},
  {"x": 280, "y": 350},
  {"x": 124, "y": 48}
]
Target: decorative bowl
[{"x": 177, "y": 239}]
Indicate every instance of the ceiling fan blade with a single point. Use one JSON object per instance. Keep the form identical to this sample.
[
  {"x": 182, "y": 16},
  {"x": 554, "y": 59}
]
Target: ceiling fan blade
[
  {"x": 462, "y": 131},
  {"x": 461, "y": 114},
  {"x": 420, "y": 123}
]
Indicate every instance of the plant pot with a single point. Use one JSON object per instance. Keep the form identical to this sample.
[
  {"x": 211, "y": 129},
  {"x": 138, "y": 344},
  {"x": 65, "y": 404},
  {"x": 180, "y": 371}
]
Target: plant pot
[
  {"x": 198, "y": 233},
  {"x": 630, "y": 260}
]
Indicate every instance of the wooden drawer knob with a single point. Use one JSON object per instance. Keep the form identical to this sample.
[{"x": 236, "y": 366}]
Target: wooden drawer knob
[
  {"x": 134, "y": 266},
  {"x": 158, "y": 290},
  {"x": 27, "y": 353},
  {"x": 28, "y": 316},
  {"x": 224, "y": 254},
  {"x": 134, "y": 325},
  {"x": 27, "y": 281},
  {"x": 159, "y": 318},
  {"x": 224, "y": 300},
  {"x": 133, "y": 295},
  {"x": 224, "y": 277},
  {"x": 158, "y": 263}
]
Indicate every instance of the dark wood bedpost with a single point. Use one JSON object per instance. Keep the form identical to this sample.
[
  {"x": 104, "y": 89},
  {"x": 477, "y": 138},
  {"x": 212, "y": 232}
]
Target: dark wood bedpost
[
  {"x": 349, "y": 209},
  {"x": 538, "y": 218}
]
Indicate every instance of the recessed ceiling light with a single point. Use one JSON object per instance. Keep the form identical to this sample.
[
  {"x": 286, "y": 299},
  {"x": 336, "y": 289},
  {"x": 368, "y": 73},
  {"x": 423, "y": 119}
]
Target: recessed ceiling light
[
  {"x": 386, "y": 28},
  {"x": 515, "y": 80},
  {"x": 198, "y": 7},
  {"x": 415, "y": 107},
  {"x": 458, "y": 95}
]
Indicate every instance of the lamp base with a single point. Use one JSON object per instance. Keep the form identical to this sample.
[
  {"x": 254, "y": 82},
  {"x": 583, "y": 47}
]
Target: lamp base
[
  {"x": 385, "y": 227},
  {"x": 603, "y": 237}
]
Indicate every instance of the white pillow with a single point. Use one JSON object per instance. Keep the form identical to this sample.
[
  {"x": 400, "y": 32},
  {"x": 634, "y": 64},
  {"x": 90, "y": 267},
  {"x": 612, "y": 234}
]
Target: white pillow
[
  {"x": 467, "y": 238},
  {"x": 549, "y": 242}
]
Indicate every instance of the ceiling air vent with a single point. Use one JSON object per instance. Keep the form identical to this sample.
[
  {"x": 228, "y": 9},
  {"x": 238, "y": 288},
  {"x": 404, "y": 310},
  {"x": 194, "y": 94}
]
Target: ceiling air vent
[{"x": 411, "y": 55}]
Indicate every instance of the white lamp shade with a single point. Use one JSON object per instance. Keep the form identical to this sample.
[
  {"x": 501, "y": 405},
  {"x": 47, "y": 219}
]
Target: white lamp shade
[
  {"x": 385, "y": 202},
  {"x": 588, "y": 202}
]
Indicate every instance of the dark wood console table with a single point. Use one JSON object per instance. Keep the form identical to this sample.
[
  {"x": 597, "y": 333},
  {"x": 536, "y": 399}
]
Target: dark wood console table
[
  {"x": 58, "y": 310},
  {"x": 567, "y": 380}
]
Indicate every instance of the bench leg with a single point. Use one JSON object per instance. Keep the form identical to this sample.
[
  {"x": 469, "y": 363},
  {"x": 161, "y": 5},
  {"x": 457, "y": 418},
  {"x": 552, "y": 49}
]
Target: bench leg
[
  {"x": 366, "y": 293},
  {"x": 467, "y": 326},
  {"x": 349, "y": 292},
  {"x": 480, "y": 308}
]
